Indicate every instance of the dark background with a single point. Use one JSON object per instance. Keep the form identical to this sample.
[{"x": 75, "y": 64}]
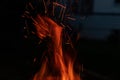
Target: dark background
[
  {"x": 16, "y": 54},
  {"x": 13, "y": 58}
]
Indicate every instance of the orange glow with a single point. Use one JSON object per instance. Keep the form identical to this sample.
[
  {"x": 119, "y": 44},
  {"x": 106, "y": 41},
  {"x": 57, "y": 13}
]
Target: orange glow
[{"x": 61, "y": 65}]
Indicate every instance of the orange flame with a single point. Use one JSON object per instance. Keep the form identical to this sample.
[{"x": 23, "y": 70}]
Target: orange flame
[{"x": 61, "y": 65}]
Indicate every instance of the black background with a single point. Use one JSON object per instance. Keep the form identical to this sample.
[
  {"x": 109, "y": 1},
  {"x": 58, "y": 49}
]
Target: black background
[{"x": 13, "y": 54}]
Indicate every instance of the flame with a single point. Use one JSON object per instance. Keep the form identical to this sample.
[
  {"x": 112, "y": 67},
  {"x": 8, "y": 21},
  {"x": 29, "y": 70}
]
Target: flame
[{"x": 60, "y": 66}]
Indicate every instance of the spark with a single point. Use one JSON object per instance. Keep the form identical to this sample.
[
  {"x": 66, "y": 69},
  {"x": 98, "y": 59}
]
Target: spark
[
  {"x": 33, "y": 32},
  {"x": 68, "y": 27},
  {"x": 45, "y": 6},
  {"x": 35, "y": 22},
  {"x": 62, "y": 25},
  {"x": 25, "y": 36},
  {"x": 62, "y": 9},
  {"x": 34, "y": 60},
  {"x": 63, "y": 13},
  {"x": 57, "y": 4},
  {"x": 40, "y": 42},
  {"x": 31, "y": 6},
  {"x": 25, "y": 28},
  {"x": 25, "y": 24},
  {"x": 71, "y": 18},
  {"x": 60, "y": 12},
  {"x": 27, "y": 12}
]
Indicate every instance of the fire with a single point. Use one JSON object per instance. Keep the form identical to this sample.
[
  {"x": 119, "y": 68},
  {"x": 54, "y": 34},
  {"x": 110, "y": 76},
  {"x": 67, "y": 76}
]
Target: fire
[{"x": 59, "y": 66}]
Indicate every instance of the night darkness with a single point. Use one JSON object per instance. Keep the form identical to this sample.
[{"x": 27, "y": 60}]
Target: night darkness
[
  {"x": 13, "y": 58},
  {"x": 16, "y": 54}
]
